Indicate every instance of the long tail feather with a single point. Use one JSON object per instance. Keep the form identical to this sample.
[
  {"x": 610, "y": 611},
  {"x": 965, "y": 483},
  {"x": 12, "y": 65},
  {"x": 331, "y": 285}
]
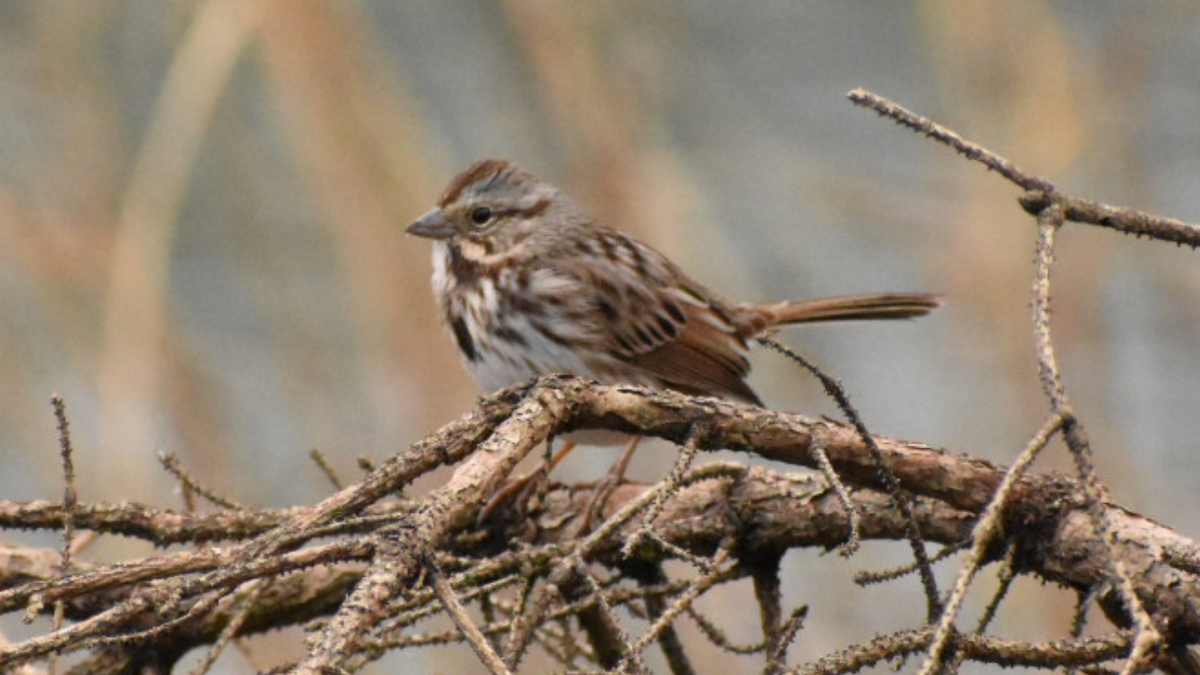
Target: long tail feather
[{"x": 852, "y": 307}]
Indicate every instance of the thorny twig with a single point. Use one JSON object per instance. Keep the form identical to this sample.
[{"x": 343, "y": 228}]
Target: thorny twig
[
  {"x": 1147, "y": 637},
  {"x": 867, "y": 578},
  {"x": 888, "y": 478},
  {"x": 479, "y": 643},
  {"x": 70, "y": 499},
  {"x": 171, "y": 463},
  {"x": 850, "y": 546},
  {"x": 1039, "y": 192},
  {"x": 987, "y": 528},
  {"x": 1052, "y": 208}
]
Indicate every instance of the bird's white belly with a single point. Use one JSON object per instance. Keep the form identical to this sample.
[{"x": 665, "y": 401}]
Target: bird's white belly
[{"x": 501, "y": 363}]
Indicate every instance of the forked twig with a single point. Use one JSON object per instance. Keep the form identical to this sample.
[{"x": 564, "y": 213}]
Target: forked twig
[
  {"x": 566, "y": 570},
  {"x": 1039, "y": 192},
  {"x": 670, "y": 486},
  {"x": 1008, "y": 573},
  {"x": 1147, "y": 637},
  {"x": 245, "y": 604}
]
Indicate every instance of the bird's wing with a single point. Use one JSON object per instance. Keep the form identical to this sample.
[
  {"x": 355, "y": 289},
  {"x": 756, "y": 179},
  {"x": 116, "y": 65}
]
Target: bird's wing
[{"x": 647, "y": 313}]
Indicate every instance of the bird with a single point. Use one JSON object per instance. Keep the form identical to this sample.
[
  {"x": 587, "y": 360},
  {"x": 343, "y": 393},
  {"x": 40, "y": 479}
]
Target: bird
[{"x": 528, "y": 284}]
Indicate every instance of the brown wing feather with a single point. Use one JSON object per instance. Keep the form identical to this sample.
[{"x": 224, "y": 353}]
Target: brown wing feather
[
  {"x": 651, "y": 316},
  {"x": 708, "y": 357}
]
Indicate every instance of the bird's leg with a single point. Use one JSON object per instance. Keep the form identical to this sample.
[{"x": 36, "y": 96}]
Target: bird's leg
[
  {"x": 521, "y": 486},
  {"x": 604, "y": 489}
]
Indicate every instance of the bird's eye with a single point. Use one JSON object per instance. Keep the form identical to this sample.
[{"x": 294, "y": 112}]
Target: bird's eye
[{"x": 481, "y": 215}]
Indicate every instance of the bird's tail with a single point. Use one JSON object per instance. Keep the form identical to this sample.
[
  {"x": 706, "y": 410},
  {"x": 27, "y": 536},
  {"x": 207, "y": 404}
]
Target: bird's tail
[{"x": 851, "y": 307}]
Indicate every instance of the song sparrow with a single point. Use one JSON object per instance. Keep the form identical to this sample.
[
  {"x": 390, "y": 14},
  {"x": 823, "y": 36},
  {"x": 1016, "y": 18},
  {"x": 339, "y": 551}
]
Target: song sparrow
[{"x": 530, "y": 285}]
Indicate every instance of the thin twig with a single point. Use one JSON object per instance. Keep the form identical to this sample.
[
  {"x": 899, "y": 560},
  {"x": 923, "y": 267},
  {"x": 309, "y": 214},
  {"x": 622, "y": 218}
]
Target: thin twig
[
  {"x": 984, "y": 649},
  {"x": 867, "y": 578},
  {"x": 791, "y": 628},
  {"x": 1008, "y": 574},
  {"x": 891, "y": 484},
  {"x": 988, "y": 525},
  {"x": 853, "y": 517},
  {"x": 670, "y": 487},
  {"x": 326, "y": 468},
  {"x": 374, "y": 647},
  {"x": 652, "y": 575},
  {"x": 458, "y": 613},
  {"x": 1049, "y": 222},
  {"x": 70, "y": 492},
  {"x": 1039, "y": 191},
  {"x": 394, "y": 564},
  {"x": 610, "y": 641},
  {"x": 514, "y": 648},
  {"x": 518, "y": 610},
  {"x": 700, "y": 585},
  {"x": 718, "y": 637},
  {"x": 1083, "y": 600},
  {"x": 70, "y": 499},
  {"x": 948, "y": 137},
  {"x": 1147, "y": 638},
  {"x": 1123, "y": 220},
  {"x": 171, "y": 463},
  {"x": 245, "y": 604}
]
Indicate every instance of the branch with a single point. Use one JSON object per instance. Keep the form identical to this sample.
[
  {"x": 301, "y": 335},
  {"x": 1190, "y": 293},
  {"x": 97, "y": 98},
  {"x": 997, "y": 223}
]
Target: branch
[{"x": 1044, "y": 518}]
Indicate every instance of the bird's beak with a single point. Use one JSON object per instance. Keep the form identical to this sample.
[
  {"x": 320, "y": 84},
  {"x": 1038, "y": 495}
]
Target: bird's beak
[{"x": 432, "y": 225}]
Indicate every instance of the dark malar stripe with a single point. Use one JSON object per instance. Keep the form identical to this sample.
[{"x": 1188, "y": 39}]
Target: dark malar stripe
[
  {"x": 465, "y": 271},
  {"x": 463, "y": 336}
]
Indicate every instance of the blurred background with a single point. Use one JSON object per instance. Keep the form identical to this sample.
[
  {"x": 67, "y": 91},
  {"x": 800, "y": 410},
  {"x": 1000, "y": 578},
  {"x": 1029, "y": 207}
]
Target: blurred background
[{"x": 202, "y": 208}]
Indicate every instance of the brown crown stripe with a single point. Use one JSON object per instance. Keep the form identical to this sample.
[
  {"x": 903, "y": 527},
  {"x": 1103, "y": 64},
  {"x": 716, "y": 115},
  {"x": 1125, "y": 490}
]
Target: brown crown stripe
[{"x": 473, "y": 174}]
